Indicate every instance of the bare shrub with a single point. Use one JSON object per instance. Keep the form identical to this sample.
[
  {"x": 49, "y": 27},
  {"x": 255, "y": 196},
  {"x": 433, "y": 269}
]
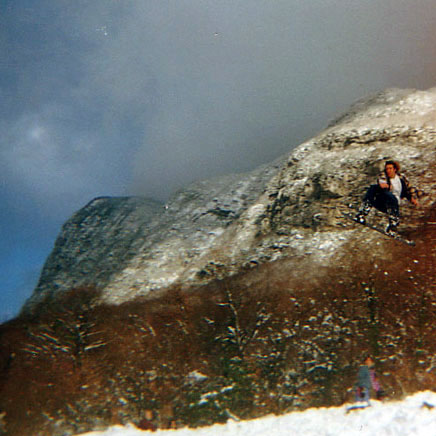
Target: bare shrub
[{"x": 263, "y": 341}]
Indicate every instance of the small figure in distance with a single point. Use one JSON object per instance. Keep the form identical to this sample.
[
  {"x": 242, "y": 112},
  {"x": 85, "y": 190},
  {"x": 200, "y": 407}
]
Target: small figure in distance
[{"x": 367, "y": 381}]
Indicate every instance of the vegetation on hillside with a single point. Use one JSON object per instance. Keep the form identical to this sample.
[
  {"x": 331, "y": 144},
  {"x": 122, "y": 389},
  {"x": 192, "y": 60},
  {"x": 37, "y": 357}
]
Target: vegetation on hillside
[{"x": 237, "y": 348}]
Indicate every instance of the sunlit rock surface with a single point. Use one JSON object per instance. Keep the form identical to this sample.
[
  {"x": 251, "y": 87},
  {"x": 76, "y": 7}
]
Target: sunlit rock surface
[{"x": 131, "y": 247}]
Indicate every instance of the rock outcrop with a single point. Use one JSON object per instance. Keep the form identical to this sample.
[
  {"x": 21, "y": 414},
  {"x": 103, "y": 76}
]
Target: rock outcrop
[
  {"x": 131, "y": 247},
  {"x": 243, "y": 296}
]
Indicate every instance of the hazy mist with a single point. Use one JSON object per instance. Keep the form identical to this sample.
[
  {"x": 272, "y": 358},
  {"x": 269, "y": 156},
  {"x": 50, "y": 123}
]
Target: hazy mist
[{"x": 142, "y": 97}]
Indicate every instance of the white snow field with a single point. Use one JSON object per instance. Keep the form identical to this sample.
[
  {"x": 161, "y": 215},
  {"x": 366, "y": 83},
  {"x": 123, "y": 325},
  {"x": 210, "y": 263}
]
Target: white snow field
[{"x": 414, "y": 416}]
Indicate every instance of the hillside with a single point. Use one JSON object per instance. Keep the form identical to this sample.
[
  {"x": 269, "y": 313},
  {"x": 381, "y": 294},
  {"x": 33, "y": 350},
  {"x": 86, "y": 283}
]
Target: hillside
[{"x": 242, "y": 296}]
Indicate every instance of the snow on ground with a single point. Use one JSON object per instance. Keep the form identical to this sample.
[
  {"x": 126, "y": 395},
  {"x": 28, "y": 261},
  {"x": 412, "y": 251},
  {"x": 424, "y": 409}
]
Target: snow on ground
[{"x": 414, "y": 416}]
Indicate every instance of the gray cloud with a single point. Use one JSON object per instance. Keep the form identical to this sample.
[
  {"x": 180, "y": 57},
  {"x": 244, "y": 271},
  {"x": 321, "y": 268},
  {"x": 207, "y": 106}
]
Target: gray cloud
[
  {"x": 223, "y": 86},
  {"x": 145, "y": 96},
  {"x": 111, "y": 97}
]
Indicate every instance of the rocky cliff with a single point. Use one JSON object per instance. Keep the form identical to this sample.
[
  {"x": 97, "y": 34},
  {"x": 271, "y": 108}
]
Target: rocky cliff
[
  {"x": 131, "y": 247},
  {"x": 242, "y": 296}
]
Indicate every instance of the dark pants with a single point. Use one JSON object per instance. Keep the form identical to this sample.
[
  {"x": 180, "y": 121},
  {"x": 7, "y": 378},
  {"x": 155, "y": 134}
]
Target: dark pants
[
  {"x": 362, "y": 394},
  {"x": 383, "y": 200}
]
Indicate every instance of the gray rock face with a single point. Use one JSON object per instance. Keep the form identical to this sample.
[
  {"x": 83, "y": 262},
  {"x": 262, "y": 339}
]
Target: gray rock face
[
  {"x": 132, "y": 247},
  {"x": 142, "y": 242},
  {"x": 97, "y": 241}
]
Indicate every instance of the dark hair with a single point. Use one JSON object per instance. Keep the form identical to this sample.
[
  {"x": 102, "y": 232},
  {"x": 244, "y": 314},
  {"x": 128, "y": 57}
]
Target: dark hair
[{"x": 394, "y": 163}]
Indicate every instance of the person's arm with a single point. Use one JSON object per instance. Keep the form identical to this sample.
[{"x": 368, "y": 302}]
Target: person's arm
[
  {"x": 382, "y": 181},
  {"x": 411, "y": 192}
]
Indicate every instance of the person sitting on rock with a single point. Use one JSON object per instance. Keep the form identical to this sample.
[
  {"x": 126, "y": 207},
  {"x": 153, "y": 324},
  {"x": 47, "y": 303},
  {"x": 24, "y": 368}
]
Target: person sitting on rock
[{"x": 386, "y": 195}]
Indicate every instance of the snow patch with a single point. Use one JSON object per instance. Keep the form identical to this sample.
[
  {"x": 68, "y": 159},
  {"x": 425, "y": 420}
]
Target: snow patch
[{"x": 414, "y": 416}]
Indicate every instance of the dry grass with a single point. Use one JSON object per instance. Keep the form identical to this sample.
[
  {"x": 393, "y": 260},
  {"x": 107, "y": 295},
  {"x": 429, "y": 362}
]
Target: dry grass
[{"x": 263, "y": 345}]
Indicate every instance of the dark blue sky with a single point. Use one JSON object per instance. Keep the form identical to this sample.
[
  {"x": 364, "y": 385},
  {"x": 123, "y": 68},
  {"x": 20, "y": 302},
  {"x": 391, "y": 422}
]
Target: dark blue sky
[{"x": 111, "y": 97}]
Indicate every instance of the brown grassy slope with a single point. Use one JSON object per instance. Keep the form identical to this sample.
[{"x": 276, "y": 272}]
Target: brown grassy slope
[{"x": 263, "y": 342}]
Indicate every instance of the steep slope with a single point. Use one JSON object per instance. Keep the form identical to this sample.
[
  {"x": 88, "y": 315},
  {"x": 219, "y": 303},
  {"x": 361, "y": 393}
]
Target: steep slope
[
  {"x": 243, "y": 296},
  {"x": 134, "y": 247}
]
